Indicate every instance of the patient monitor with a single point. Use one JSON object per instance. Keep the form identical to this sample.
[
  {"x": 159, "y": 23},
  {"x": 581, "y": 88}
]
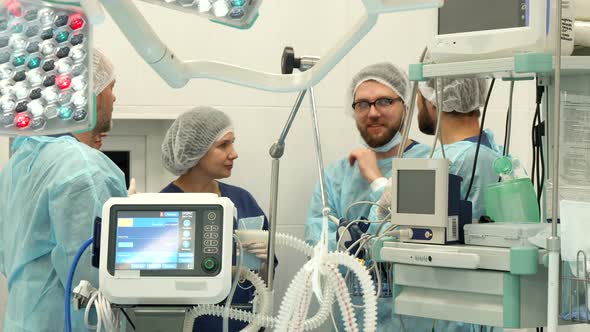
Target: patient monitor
[
  {"x": 426, "y": 199},
  {"x": 483, "y": 29},
  {"x": 163, "y": 249}
]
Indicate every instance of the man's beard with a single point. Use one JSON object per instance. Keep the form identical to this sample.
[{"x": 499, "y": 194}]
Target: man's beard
[
  {"x": 103, "y": 126},
  {"x": 425, "y": 123},
  {"x": 376, "y": 142}
]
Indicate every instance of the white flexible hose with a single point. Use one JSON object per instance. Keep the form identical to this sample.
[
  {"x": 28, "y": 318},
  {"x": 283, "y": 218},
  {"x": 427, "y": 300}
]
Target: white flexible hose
[
  {"x": 295, "y": 243},
  {"x": 296, "y": 289},
  {"x": 369, "y": 296},
  {"x": 235, "y": 314},
  {"x": 218, "y": 311},
  {"x": 302, "y": 308},
  {"x": 262, "y": 293},
  {"x": 104, "y": 314},
  {"x": 344, "y": 301},
  {"x": 295, "y": 297}
]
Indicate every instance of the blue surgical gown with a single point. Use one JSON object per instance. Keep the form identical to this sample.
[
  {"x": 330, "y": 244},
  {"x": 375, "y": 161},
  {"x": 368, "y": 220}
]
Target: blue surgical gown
[
  {"x": 344, "y": 186},
  {"x": 462, "y": 154},
  {"x": 52, "y": 190},
  {"x": 247, "y": 208}
]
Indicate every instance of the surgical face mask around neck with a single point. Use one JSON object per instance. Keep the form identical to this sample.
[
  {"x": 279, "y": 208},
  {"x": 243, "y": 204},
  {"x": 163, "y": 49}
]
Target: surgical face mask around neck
[{"x": 396, "y": 140}]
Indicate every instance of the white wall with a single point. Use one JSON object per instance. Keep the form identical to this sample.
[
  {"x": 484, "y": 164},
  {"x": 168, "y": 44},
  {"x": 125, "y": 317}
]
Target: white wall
[{"x": 310, "y": 26}]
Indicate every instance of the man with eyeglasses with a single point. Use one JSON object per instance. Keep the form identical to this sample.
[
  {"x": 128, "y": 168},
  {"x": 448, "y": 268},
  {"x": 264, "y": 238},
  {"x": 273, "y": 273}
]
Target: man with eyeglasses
[{"x": 377, "y": 97}]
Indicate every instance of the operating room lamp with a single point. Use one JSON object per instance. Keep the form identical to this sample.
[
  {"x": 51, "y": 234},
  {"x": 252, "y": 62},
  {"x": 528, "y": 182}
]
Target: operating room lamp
[{"x": 46, "y": 52}]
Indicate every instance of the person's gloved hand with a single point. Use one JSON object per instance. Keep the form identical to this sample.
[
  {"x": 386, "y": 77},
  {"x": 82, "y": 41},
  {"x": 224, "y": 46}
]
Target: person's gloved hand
[
  {"x": 258, "y": 249},
  {"x": 385, "y": 201},
  {"x": 367, "y": 163},
  {"x": 132, "y": 188}
]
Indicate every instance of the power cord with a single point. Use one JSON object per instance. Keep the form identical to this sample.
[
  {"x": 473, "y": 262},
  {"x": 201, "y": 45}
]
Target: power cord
[
  {"x": 128, "y": 319},
  {"x": 483, "y": 120},
  {"x": 537, "y": 133}
]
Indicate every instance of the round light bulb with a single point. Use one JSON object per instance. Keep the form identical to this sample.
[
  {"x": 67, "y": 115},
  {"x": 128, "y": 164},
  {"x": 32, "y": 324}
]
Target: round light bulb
[
  {"x": 203, "y": 5},
  {"x": 78, "y": 83},
  {"x": 50, "y": 94},
  {"x": 18, "y": 42},
  {"x": 220, "y": 8},
  {"x": 35, "y": 77},
  {"x": 80, "y": 115},
  {"x": 21, "y": 90},
  {"x": 6, "y": 88},
  {"x": 51, "y": 112},
  {"x": 22, "y": 120},
  {"x": 64, "y": 98},
  {"x": 78, "y": 99},
  {"x": 78, "y": 53},
  {"x": 6, "y": 72},
  {"x": 46, "y": 16},
  {"x": 7, "y": 104},
  {"x": 78, "y": 70},
  {"x": 8, "y": 119},
  {"x": 65, "y": 112},
  {"x": 48, "y": 47},
  {"x": 64, "y": 66},
  {"x": 36, "y": 108},
  {"x": 38, "y": 123}
]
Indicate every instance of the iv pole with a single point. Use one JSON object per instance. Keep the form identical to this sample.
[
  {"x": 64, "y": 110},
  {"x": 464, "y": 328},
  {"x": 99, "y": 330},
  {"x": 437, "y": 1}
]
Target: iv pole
[
  {"x": 288, "y": 63},
  {"x": 554, "y": 242}
]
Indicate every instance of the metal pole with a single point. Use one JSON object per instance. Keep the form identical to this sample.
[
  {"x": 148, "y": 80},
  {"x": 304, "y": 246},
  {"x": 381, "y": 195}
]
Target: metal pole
[
  {"x": 409, "y": 113},
  {"x": 553, "y": 242},
  {"x": 318, "y": 149},
  {"x": 276, "y": 152}
]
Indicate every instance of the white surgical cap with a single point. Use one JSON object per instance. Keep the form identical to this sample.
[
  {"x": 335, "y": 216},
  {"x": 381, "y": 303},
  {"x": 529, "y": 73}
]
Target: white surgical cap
[
  {"x": 463, "y": 95},
  {"x": 384, "y": 73},
  {"x": 103, "y": 72},
  {"x": 191, "y": 136}
]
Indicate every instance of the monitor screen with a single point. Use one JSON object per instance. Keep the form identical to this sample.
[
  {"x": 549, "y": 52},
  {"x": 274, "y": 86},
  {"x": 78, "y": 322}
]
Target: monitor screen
[
  {"x": 155, "y": 240},
  {"x": 457, "y": 16},
  {"x": 416, "y": 191}
]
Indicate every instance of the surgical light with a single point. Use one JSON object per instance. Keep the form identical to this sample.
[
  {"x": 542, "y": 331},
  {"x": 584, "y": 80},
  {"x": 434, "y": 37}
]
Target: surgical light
[
  {"x": 235, "y": 13},
  {"x": 41, "y": 42}
]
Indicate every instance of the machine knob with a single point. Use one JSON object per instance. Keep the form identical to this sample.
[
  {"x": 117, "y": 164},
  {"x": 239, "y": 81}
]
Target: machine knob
[{"x": 209, "y": 264}]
